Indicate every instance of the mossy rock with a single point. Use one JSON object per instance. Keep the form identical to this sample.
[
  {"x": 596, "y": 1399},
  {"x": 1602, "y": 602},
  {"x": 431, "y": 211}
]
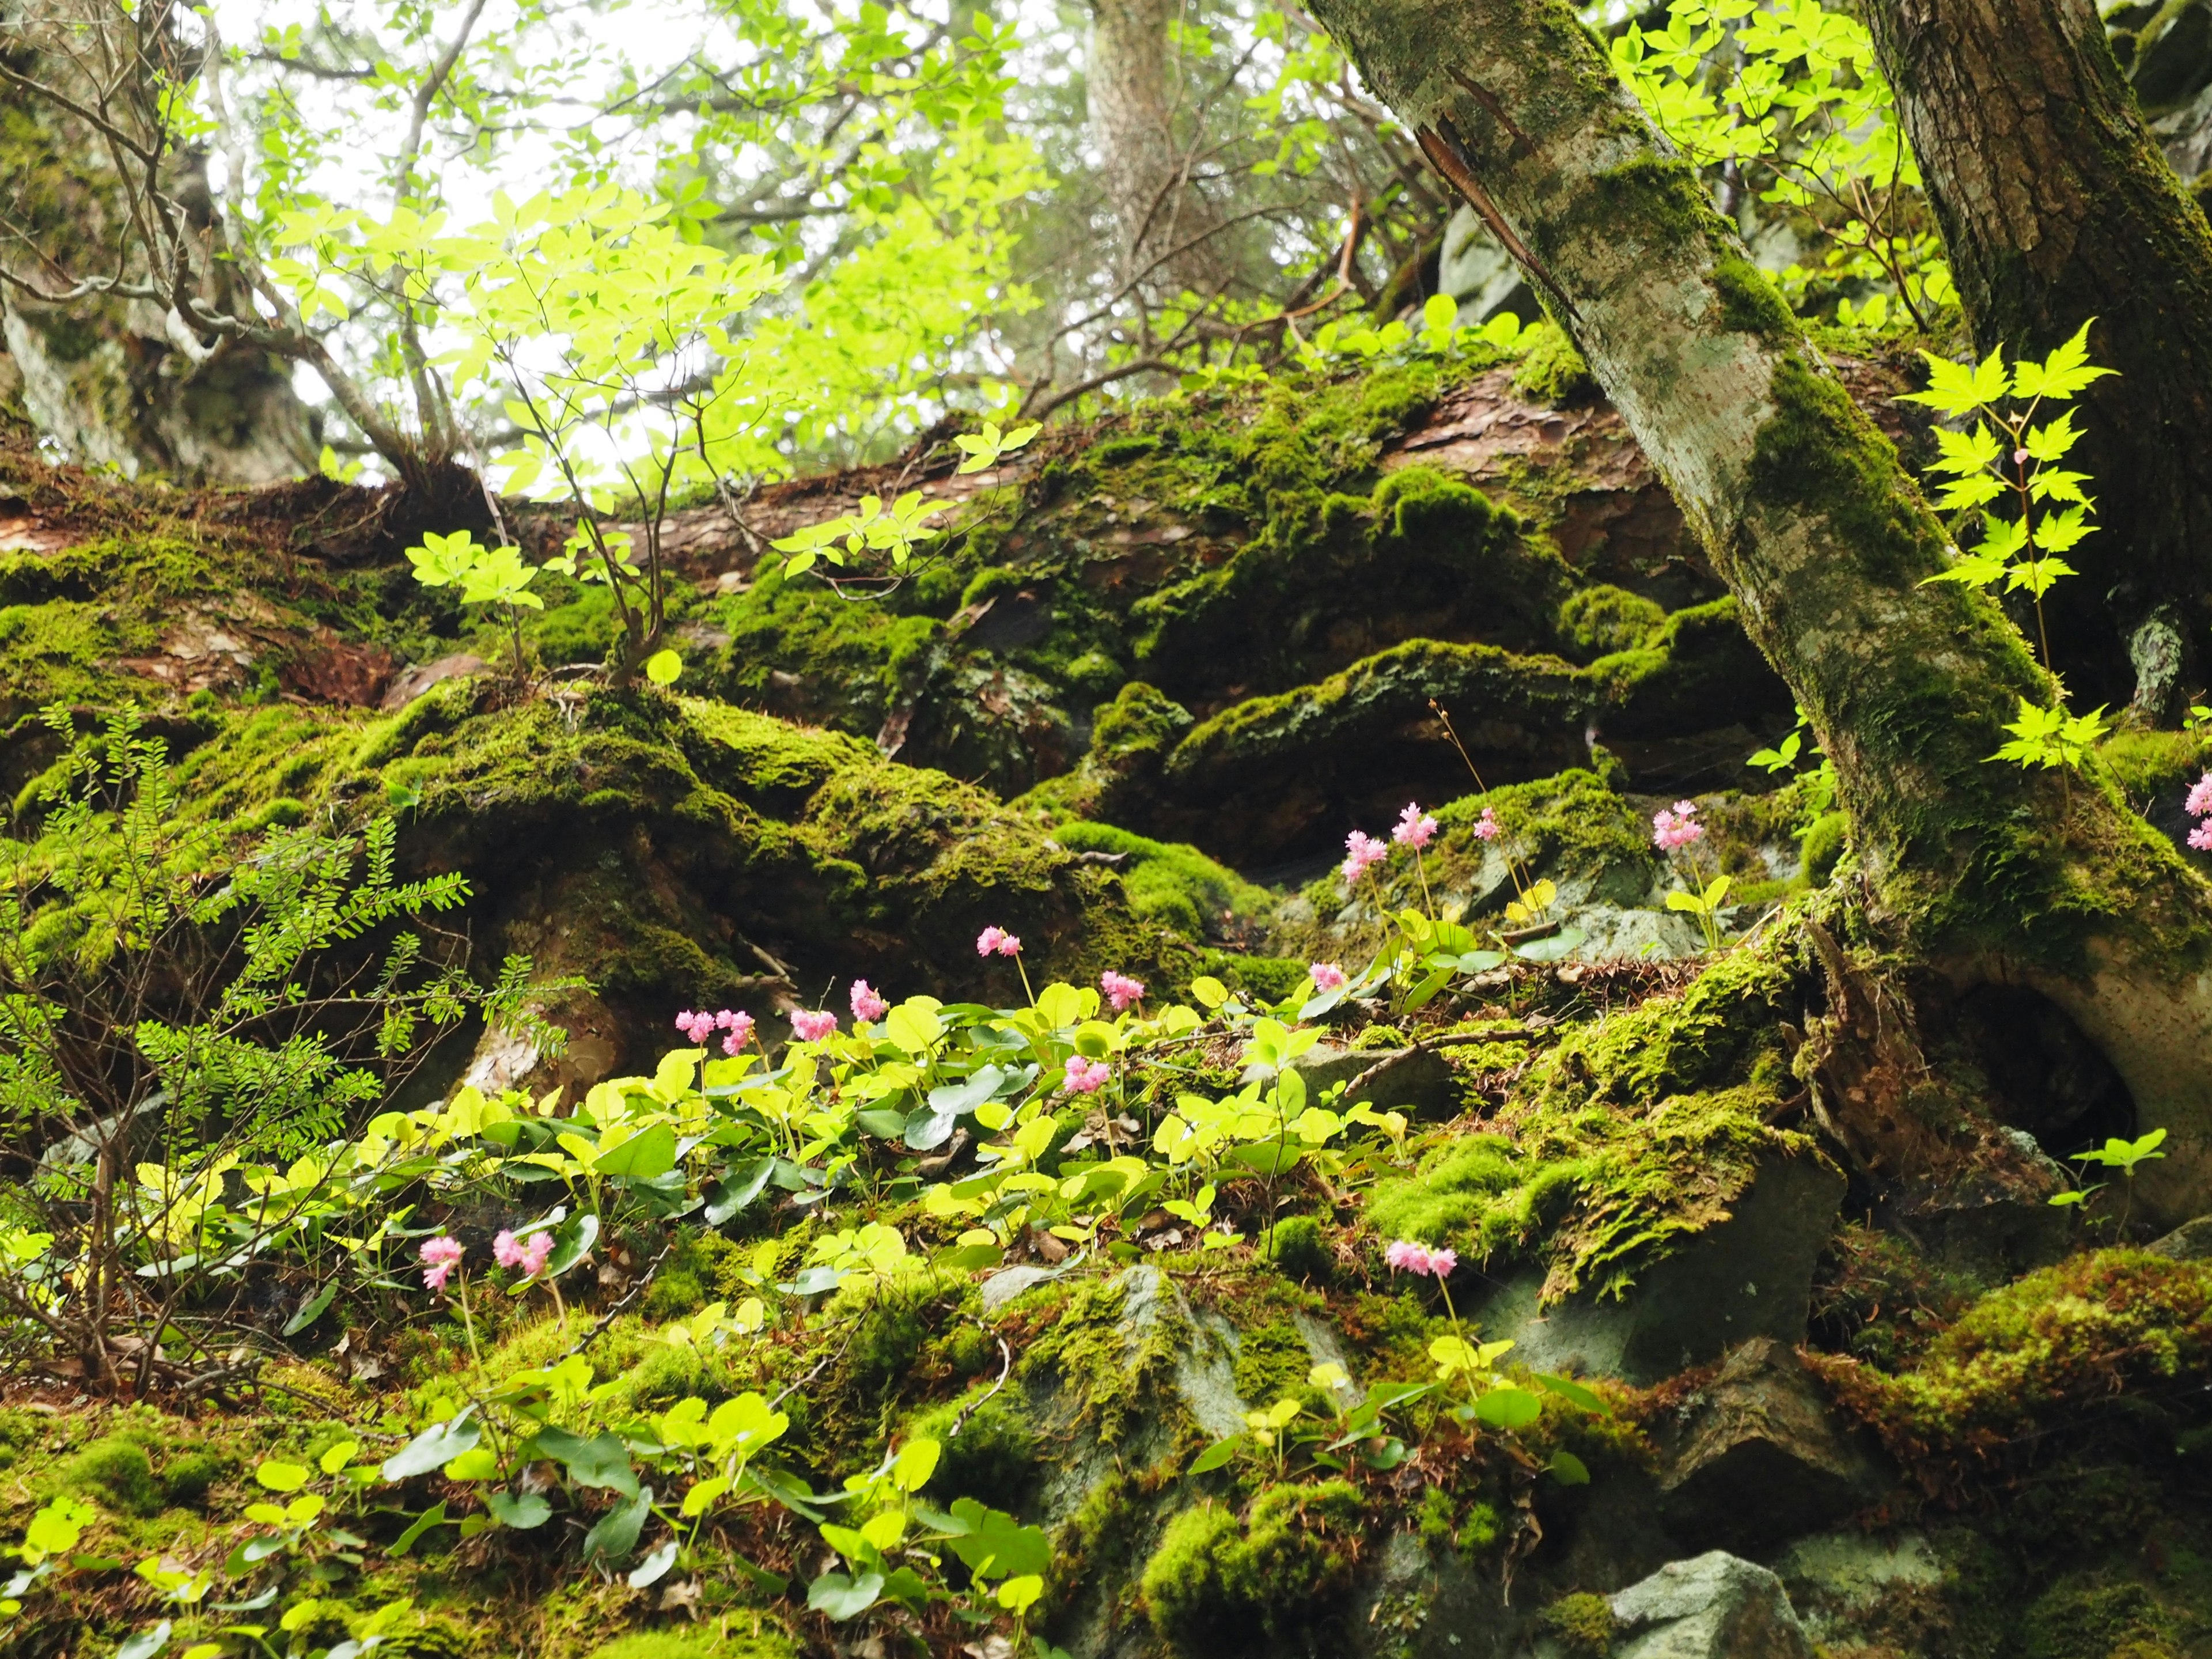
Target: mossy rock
[
  {"x": 117, "y": 1473},
  {"x": 694, "y": 1642},
  {"x": 1218, "y": 1586}
]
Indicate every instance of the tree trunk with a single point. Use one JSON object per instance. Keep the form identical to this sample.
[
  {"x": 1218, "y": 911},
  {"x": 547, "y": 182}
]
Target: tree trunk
[
  {"x": 1169, "y": 231},
  {"x": 103, "y": 377},
  {"x": 2058, "y": 206},
  {"x": 1983, "y": 871}
]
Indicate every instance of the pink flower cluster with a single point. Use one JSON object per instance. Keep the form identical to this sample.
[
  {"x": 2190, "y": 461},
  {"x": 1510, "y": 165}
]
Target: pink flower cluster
[
  {"x": 1678, "y": 827},
  {"x": 528, "y": 1254},
  {"x": 1416, "y": 829},
  {"x": 2200, "y": 808},
  {"x": 1485, "y": 827},
  {"x": 1326, "y": 975},
  {"x": 1408, "y": 1257},
  {"x": 1086, "y": 1077},
  {"x": 1362, "y": 852},
  {"x": 1121, "y": 990},
  {"x": 811, "y": 1026},
  {"x": 997, "y": 942},
  {"x": 868, "y": 1006},
  {"x": 701, "y": 1026},
  {"x": 439, "y": 1256}
]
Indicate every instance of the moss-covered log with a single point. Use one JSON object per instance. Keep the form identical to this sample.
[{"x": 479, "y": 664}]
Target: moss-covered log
[{"x": 1813, "y": 522}]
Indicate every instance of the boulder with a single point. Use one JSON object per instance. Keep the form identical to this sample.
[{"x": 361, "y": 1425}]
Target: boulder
[
  {"x": 1756, "y": 1455},
  {"x": 1715, "y": 1605},
  {"x": 1416, "y": 1081},
  {"x": 1750, "y": 1276},
  {"x": 2191, "y": 1241}
]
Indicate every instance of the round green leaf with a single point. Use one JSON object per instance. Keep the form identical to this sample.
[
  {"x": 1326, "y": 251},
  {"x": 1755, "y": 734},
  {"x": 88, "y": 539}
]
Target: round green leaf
[
  {"x": 280, "y": 1477},
  {"x": 663, "y": 666}
]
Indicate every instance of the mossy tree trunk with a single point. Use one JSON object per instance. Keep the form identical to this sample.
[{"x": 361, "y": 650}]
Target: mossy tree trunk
[
  {"x": 1981, "y": 871},
  {"x": 2058, "y": 206}
]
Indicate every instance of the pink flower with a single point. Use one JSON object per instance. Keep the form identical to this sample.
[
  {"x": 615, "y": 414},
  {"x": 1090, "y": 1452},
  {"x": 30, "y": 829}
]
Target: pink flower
[
  {"x": 1409, "y": 1257},
  {"x": 1121, "y": 990},
  {"x": 1415, "y": 830},
  {"x": 740, "y": 1029},
  {"x": 997, "y": 941},
  {"x": 529, "y": 1253},
  {"x": 812, "y": 1026},
  {"x": 1678, "y": 827},
  {"x": 1326, "y": 975},
  {"x": 1086, "y": 1077},
  {"x": 2200, "y": 797},
  {"x": 1362, "y": 851},
  {"x": 697, "y": 1027},
  {"x": 867, "y": 1005},
  {"x": 1485, "y": 827},
  {"x": 438, "y": 1256},
  {"x": 2201, "y": 837}
]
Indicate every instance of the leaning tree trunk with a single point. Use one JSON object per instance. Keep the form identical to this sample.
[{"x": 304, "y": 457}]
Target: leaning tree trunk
[
  {"x": 1170, "y": 232},
  {"x": 2057, "y": 206},
  {"x": 1982, "y": 870}
]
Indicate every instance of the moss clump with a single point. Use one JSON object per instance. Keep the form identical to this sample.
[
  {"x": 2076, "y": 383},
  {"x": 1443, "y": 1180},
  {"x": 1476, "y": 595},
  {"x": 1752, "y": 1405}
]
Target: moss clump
[
  {"x": 2040, "y": 1352},
  {"x": 1824, "y": 844},
  {"x": 187, "y": 1477},
  {"x": 1443, "y": 1525},
  {"x": 1270, "y": 978},
  {"x": 1451, "y": 1190},
  {"x": 1581, "y": 1624},
  {"x": 994, "y": 1458},
  {"x": 2108, "y": 1621},
  {"x": 1299, "y": 1249},
  {"x": 1104, "y": 1363},
  {"x": 1216, "y": 1586},
  {"x": 118, "y": 1474},
  {"x": 1552, "y": 371},
  {"x": 1272, "y": 1363},
  {"x": 692, "y": 1642},
  {"x": 1171, "y": 882},
  {"x": 1596, "y": 621}
]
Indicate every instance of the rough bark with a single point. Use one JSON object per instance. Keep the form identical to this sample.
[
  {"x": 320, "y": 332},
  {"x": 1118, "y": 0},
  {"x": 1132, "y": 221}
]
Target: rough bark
[
  {"x": 1983, "y": 870},
  {"x": 2057, "y": 206},
  {"x": 104, "y": 377},
  {"x": 1169, "y": 231}
]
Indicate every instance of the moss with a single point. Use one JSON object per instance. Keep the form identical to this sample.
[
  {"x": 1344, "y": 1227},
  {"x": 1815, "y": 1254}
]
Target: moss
[
  {"x": 1171, "y": 882},
  {"x": 1103, "y": 1366},
  {"x": 2038, "y": 1354},
  {"x": 1216, "y": 1586},
  {"x": 2153, "y": 768},
  {"x": 1581, "y": 1624},
  {"x": 1300, "y": 1251},
  {"x": 1270, "y": 978},
  {"x": 1272, "y": 1363},
  {"x": 187, "y": 1477},
  {"x": 1551, "y": 370},
  {"x": 694, "y": 1642},
  {"x": 1453, "y": 1187},
  {"x": 1824, "y": 844},
  {"x": 2101, "y": 1622},
  {"x": 995, "y": 1458},
  {"x": 117, "y": 1473},
  {"x": 1596, "y": 621},
  {"x": 1751, "y": 304}
]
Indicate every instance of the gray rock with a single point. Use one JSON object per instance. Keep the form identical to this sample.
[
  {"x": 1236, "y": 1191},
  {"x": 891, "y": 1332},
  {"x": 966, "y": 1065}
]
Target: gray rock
[
  {"x": 1004, "y": 1285},
  {"x": 413, "y": 681},
  {"x": 1715, "y": 1605},
  {"x": 1835, "y": 1580},
  {"x": 1480, "y": 275},
  {"x": 1757, "y": 1455},
  {"x": 2191, "y": 1241},
  {"x": 1750, "y": 1276},
  {"x": 1417, "y": 1080}
]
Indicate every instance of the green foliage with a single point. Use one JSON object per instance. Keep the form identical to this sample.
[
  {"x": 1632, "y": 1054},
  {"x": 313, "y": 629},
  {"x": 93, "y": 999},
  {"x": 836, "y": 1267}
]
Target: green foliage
[{"x": 1215, "y": 1585}]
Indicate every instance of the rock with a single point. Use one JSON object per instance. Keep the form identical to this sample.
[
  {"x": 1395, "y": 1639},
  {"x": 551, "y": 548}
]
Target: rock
[
  {"x": 413, "y": 681},
  {"x": 1715, "y": 1605},
  {"x": 1480, "y": 275},
  {"x": 1004, "y": 1285},
  {"x": 1837, "y": 1580},
  {"x": 1757, "y": 1455},
  {"x": 1417, "y": 1080},
  {"x": 1751, "y": 1276},
  {"x": 2191, "y": 1241}
]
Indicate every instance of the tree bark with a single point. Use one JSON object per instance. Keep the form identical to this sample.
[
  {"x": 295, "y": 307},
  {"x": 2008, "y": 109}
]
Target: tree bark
[
  {"x": 1170, "y": 231},
  {"x": 1982, "y": 871},
  {"x": 2057, "y": 205}
]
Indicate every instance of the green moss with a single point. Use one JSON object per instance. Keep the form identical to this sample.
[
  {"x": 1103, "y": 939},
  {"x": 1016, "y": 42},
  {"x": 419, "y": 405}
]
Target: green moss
[
  {"x": 1581, "y": 1624},
  {"x": 1453, "y": 1188},
  {"x": 2033, "y": 1356},
  {"x": 1103, "y": 1367},
  {"x": 1824, "y": 844},
  {"x": 1300, "y": 1251},
  {"x": 1551, "y": 370},
  {"x": 2101, "y": 1622},
  {"x": 1751, "y": 304},
  {"x": 1171, "y": 882},
  {"x": 2152, "y": 767},
  {"x": 995, "y": 1458},
  {"x": 1270, "y": 978},
  {"x": 1215, "y": 1586},
  {"x": 117, "y": 1473},
  {"x": 695, "y": 1642},
  {"x": 187, "y": 1477},
  {"x": 1272, "y": 1363},
  {"x": 1596, "y": 621}
]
